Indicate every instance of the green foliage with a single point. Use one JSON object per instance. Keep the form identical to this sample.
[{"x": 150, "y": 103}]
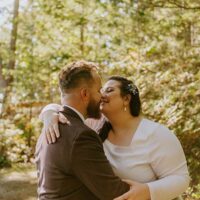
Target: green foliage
[
  {"x": 193, "y": 192},
  {"x": 155, "y": 43},
  {"x": 18, "y": 139},
  {"x": 4, "y": 162}
]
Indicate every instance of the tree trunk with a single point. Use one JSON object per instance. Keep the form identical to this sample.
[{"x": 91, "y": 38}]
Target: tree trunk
[
  {"x": 7, "y": 81},
  {"x": 2, "y": 85},
  {"x": 11, "y": 64},
  {"x": 82, "y": 29},
  {"x": 2, "y": 80},
  {"x": 82, "y": 40}
]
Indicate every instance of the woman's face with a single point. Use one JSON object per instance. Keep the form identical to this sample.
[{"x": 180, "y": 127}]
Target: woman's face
[{"x": 112, "y": 101}]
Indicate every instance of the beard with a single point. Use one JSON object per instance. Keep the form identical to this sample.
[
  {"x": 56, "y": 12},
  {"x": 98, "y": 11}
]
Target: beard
[{"x": 93, "y": 110}]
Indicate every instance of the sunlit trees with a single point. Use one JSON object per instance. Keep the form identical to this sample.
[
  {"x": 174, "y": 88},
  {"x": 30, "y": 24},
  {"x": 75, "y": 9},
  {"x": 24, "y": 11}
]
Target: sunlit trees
[{"x": 155, "y": 43}]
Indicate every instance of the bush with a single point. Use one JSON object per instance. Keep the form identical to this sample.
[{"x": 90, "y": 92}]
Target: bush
[
  {"x": 4, "y": 162},
  {"x": 18, "y": 140}
]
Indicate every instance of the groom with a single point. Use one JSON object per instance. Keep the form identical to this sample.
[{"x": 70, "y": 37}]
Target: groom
[{"x": 75, "y": 167}]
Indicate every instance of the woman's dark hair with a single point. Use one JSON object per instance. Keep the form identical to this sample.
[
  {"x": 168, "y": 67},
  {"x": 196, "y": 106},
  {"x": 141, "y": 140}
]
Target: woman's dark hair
[{"x": 128, "y": 87}]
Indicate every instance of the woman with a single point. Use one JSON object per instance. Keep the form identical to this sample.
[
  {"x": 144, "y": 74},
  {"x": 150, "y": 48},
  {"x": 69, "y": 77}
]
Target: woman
[{"x": 137, "y": 148}]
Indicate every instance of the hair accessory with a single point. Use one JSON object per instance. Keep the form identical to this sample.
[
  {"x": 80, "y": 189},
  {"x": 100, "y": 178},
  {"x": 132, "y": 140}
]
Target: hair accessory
[{"x": 132, "y": 89}]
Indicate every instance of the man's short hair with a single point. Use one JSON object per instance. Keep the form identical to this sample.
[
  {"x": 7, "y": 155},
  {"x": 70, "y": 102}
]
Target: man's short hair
[{"x": 74, "y": 74}]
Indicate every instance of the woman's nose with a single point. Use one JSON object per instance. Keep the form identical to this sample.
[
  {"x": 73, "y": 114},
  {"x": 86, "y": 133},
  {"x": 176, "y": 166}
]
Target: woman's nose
[
  {"x": 102, "y": 92},
  {"x": 103, "y": 97}
]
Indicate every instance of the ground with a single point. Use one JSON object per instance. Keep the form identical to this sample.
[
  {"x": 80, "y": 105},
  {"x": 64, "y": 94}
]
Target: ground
[{"x": 18, "y": 183}]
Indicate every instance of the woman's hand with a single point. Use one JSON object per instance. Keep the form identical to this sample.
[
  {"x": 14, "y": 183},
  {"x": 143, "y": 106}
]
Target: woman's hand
[
  {"x": 51, "y": 120},
  {"x": 138, "y": 191}
]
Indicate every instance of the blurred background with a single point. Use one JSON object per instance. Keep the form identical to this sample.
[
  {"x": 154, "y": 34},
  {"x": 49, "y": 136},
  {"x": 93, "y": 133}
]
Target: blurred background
[{"x": 156, "y": 43}]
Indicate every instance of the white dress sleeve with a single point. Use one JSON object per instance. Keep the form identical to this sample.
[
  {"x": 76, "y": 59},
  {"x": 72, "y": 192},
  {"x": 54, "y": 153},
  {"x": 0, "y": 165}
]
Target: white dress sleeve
[
  {"x": 95, "y": 124},
  {"x": 53, "y": 107},
  {"x": 169, "y": 165}
]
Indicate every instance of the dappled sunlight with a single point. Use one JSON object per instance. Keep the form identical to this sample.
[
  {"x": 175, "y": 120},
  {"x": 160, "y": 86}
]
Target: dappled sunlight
[{"x": 156, "y": 44}]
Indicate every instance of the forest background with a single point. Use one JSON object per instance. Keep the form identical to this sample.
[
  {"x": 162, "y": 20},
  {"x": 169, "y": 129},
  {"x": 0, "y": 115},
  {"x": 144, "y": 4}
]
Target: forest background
[{"x": 156, "y": 43}]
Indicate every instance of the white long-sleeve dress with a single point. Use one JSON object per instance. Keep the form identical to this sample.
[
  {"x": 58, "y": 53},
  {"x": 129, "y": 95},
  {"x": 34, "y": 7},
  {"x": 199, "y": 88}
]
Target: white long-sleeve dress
[{"x": 155, "y": 156}]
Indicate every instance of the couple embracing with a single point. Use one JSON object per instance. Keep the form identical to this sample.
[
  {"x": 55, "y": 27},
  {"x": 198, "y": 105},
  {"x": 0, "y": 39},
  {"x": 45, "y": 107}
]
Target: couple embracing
[{"x": 100, "y": 147}]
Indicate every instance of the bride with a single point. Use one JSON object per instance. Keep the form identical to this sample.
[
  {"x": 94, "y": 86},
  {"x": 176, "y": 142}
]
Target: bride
[{"x": 137, "y": 148}]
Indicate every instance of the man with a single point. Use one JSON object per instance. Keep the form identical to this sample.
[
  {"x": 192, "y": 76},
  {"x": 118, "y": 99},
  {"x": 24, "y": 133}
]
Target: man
[{"x": 75, "y": 167}]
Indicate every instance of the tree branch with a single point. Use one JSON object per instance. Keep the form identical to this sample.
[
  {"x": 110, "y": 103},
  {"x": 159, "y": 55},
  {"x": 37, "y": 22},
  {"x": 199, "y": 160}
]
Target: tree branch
[{"x": 173, "y": 4}]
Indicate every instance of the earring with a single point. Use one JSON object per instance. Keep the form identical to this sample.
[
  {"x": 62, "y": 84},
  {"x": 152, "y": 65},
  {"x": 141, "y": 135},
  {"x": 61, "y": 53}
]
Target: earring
[{"x": 125, "y": 108}]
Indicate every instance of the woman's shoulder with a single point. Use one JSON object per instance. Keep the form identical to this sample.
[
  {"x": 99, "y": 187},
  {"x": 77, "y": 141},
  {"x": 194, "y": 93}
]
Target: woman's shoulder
[
  {"x": 160, "y": 132},
  {"x": 152, "y": 128},
  {"x": 147, "y": 127},
  {"x": 149, "y": 123}
]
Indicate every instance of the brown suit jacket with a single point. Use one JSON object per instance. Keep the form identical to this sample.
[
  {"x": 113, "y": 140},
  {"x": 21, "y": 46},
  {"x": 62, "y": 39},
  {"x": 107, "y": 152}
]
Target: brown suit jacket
[{"x": 75, "y": 167}]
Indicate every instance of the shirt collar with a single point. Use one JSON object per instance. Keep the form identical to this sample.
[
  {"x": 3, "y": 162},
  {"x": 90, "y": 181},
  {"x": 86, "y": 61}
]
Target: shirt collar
[{"x": 77, "y": 112}]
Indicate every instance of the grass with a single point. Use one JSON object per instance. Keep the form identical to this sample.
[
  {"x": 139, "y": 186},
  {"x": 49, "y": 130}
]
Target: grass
[{"x": 18, "y": 182}]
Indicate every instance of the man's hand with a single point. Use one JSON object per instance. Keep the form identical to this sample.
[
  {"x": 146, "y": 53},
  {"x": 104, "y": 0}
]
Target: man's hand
[
  {"x": 51, "y": 120},
  {"x": 138, "y": 191}
]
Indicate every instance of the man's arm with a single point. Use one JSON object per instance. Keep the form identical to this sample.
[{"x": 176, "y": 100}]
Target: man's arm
[{"x": 91, "y": 166}]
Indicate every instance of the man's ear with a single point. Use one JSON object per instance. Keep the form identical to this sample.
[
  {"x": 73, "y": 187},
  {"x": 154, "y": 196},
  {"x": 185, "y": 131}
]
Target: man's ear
[{"x": 85, "y": 94}]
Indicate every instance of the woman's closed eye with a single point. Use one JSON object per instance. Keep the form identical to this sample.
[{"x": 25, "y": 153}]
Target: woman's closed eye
[{"x": 108, "y": 90}]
